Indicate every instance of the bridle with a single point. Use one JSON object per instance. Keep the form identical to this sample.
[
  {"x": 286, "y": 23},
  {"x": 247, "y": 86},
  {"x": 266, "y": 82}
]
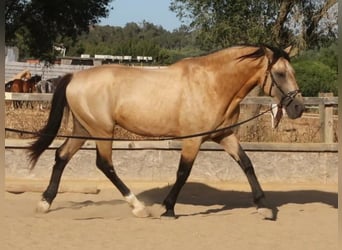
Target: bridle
[{"x": 288, "y": 97}]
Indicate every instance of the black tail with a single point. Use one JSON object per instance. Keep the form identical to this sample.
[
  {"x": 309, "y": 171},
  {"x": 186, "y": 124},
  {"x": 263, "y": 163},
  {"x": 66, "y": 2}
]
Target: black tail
[{"x": 49, "y": 132}]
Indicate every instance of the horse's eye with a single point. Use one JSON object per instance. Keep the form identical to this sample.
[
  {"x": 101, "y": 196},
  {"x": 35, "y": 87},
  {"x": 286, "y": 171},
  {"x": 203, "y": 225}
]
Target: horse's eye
[{"x": 280, "y": 74}]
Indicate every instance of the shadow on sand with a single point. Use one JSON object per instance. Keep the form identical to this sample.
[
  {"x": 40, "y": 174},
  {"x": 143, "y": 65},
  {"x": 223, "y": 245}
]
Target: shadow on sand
[{"x": 203, "y": 195}]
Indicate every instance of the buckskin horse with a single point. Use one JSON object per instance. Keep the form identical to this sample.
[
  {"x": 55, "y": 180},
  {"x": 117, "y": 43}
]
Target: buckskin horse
[{"x": 188, "y": 97}]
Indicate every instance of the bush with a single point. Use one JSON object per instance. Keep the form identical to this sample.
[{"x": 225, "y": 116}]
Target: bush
[
  {"x": 316, "y": 71},
  {"x": 314, "y": 77}
]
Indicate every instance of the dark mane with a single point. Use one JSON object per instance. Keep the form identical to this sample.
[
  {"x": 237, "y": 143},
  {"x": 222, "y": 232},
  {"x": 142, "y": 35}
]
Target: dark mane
[{"x": 261, "y": 51}]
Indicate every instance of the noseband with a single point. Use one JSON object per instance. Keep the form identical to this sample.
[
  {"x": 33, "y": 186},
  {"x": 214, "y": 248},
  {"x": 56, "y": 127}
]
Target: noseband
[{"x": 288, "y": 97}]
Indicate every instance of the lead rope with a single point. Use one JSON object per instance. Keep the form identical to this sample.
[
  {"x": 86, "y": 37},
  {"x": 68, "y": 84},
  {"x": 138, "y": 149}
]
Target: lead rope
[{"x": 150, "y": 139}]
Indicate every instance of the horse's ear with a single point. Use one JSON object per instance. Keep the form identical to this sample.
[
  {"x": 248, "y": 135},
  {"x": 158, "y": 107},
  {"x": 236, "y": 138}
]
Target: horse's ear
[
  {"x": 269, "y": 54},
  {"x": 291, "y": 51}
]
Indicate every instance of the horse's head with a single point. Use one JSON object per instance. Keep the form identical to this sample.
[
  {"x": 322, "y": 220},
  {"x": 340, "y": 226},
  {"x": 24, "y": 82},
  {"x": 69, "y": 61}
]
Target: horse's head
[
  {"x": 26, "y": 75},
  {"x": 280, "y": 82}
]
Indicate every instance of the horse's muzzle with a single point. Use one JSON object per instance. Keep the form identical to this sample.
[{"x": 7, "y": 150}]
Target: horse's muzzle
[{"x": 295, "y": 108}]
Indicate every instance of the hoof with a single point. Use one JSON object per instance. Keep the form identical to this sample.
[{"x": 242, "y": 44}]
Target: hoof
[
  {"x": 169, "y": 214},
  {"x": 266, "y": 213},
  {"x": 43, "y": 206},
  {"x": 141, "y": 212},
  {"x": 139, "y": 209}
]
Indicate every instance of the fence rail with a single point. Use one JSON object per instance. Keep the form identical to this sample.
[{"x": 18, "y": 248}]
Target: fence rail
[
  {"x": 263, "y": 100},
  {"x": 12, "y": 68},
  {"x": 47, "y": 72},
  {"x": 325, "y": 107},
  {"x": 176, "y": 145}
]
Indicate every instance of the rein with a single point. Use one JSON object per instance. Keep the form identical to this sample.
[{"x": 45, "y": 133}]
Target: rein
[{"x": 151, "y": 139}]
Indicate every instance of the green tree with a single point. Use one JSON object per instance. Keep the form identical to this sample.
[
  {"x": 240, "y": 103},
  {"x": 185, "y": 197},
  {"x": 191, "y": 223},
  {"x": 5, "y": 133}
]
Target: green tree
[
  {"x": 224, "y": 23},
  {"x": 13, "y": 9},
  {"x": 281, "y": 22},
  {"x": 316, "y": 71},
  {"x": 314, "y": 77},
  {"x": 40, "y": 23},
  {"x": 144, "y": 39}
]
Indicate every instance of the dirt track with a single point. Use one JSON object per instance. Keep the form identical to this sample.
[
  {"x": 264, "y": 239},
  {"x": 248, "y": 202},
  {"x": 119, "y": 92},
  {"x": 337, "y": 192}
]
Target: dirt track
[{"x": 216, "y": 216}]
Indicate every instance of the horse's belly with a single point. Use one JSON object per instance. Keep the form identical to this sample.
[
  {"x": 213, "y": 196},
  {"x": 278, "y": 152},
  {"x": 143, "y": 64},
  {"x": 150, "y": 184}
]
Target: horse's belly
[{"x": 148, "y": 123}]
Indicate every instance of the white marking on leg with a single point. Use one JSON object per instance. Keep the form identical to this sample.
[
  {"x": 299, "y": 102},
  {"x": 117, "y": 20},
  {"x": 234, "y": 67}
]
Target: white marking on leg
[
  {"x": 139, "y": 209},
  {"x": 43, "y": 206}
]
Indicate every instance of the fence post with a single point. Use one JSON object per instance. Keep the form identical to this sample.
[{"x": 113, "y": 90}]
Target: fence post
[{"x": 326, "y": 120}]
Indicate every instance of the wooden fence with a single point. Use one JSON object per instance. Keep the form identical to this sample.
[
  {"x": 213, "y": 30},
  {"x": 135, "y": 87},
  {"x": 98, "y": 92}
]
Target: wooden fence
[
  {"x": 47, "y": 72},
  {"x": 12, "y": 68},
  {"x": 325, "y": 105}
]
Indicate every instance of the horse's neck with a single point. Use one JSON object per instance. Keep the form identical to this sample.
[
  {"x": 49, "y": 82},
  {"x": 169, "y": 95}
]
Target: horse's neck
[
  {"x": 243, "y": 77},
  {"x": 247, "y": 87}
]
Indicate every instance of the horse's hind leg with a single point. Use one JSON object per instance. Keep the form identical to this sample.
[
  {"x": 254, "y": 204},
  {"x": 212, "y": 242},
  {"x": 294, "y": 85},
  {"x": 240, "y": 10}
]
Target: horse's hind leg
[
  {"x": 17, "y": 104},
  {"x": 62, "y": 157},
  {"x": 232, "y": 146},
  {"x": 104, "y": 163}
]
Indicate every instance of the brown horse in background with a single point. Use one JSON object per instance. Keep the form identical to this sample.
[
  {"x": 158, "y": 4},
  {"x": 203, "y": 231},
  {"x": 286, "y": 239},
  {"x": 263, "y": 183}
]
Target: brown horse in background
[
  {"x": 191, "y": 96},
  {"x": 23, "y": 75},
  {"x": 15, "y": 84},
  {"x": 22, "y": 86},
  {"x": 29, "y": 86}
]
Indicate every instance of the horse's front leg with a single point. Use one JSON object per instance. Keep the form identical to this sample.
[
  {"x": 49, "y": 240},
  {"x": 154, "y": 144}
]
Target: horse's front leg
[
  {"x": 190, "y": 149},
  {"x": 232, "y": 146}
]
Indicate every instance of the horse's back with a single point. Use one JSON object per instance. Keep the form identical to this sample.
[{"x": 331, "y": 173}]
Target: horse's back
[
  {"x": 130, "y": 97},
  {"x": 121, "y": 80},
  {"x": 17, "y": 86}
]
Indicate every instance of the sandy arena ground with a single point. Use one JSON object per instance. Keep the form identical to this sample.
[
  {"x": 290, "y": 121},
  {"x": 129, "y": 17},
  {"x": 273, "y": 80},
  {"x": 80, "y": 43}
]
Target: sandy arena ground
[{"x": 211, "y": 216}]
